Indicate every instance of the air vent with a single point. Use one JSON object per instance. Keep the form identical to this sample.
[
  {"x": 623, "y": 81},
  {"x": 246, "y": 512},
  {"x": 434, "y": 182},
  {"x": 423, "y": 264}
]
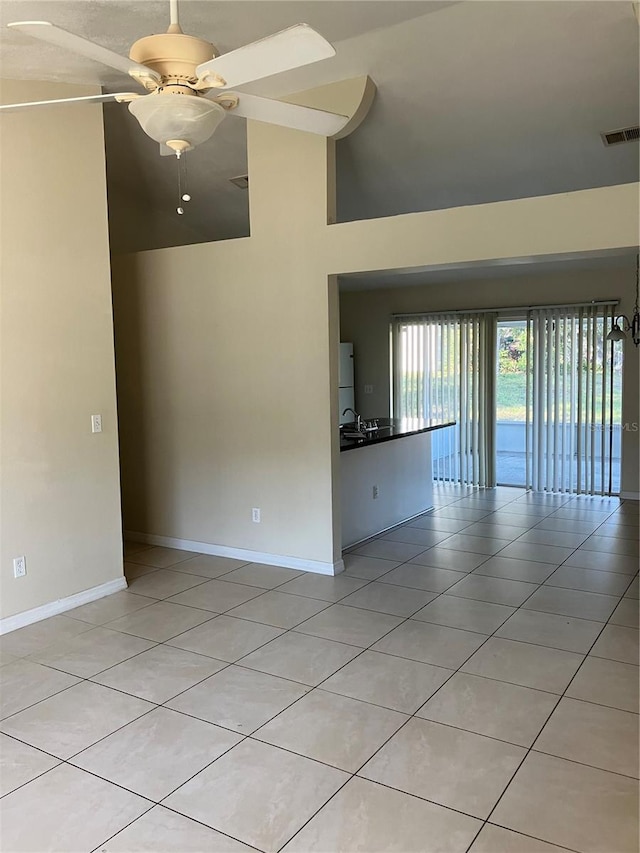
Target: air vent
[
  {"x": 615, "y": 137},
  {"x": 242, "y": 182}
]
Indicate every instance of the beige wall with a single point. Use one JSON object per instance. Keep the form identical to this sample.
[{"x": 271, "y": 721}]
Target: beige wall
[
  {"x": 60, "y": 492},
  {"x": 365, "y": 318}
]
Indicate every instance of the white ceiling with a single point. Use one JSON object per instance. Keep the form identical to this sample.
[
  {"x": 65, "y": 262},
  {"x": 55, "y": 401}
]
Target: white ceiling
[{"x": 477, "y": 102}]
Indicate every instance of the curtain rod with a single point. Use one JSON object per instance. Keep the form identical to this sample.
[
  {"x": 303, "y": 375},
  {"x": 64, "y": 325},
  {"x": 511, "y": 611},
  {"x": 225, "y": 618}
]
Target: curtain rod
[{"x": 510, "y": 308}]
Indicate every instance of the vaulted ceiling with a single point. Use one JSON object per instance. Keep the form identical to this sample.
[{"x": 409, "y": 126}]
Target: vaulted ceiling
[{"x": 477, "y": 102}]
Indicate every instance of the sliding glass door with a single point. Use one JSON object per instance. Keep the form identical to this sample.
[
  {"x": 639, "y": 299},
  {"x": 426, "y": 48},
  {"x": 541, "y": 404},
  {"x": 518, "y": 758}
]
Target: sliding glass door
[{"x": 535, "y": 396}]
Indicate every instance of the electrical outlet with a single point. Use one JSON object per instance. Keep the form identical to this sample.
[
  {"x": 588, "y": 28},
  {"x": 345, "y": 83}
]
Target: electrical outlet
[
  {"x": 255, "y": 515},
  {"x": 96, "y": 423},
  {"x": 19, "y": 566},
  {"x": 375, "y": 492},
  {"x": 368, "y": 389}
]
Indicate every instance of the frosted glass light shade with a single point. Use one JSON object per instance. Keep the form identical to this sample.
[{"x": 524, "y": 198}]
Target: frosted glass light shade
[
  {"x": 616, "y": 334},
  {"x": 187, "y": 118}
]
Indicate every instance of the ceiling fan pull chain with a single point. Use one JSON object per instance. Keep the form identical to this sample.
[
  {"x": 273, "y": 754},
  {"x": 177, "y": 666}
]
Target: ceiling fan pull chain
[{"x": 182, "y": 183}]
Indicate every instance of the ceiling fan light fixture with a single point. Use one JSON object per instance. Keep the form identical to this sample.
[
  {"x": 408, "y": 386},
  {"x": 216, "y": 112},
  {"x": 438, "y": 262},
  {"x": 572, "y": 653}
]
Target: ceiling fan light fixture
[{"x": 179, "y": 121}]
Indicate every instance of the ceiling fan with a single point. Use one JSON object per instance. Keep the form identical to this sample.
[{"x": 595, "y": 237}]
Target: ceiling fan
[{"x": 189, "y": 85}]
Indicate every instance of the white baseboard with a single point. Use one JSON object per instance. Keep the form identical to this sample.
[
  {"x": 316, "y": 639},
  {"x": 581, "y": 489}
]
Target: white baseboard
[
  {"x": 630, "y": 496},
  {"x": 53, "y": 608},
  {"x": 315, "y": 566}
]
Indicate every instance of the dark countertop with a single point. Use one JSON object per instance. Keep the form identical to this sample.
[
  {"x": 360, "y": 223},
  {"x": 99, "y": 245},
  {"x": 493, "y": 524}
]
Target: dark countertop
[{"x": 392, "y": 428}]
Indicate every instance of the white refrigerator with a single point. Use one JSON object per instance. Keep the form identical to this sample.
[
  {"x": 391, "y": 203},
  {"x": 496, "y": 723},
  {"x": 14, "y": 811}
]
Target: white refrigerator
[{"x": 345, "y": 382}]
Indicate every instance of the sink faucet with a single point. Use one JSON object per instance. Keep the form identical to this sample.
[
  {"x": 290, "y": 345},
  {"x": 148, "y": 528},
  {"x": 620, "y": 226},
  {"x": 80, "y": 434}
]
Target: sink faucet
[{"x": 357, "y": 416}]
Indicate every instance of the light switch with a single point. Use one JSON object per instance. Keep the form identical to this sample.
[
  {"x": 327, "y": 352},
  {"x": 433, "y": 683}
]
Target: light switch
[{"x": 96, "y": 423}]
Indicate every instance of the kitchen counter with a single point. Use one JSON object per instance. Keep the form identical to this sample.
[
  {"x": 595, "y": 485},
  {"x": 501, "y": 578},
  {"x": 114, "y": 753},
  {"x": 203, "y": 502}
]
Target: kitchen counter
[
  {"x": 389, "y": 480},
  {"x": 390, "y": 429}
]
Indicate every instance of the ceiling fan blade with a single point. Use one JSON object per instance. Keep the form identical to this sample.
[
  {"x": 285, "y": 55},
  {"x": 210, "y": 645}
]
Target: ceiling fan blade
[
  {"x": 120, "y": 97},
  {"x": 291, "y": 48},
  {"x": 288, "y": 115},
  {"x": 48, "y": 32}
]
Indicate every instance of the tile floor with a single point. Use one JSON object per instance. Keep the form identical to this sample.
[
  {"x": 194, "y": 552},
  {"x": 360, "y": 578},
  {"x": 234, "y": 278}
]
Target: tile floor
[{"x": 470, "y": 683}]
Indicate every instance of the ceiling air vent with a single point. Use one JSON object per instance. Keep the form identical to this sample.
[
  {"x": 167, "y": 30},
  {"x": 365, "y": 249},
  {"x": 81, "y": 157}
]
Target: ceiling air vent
[
  {"x": 615, "y": 137},
  {"x": 242, "y": 182}
]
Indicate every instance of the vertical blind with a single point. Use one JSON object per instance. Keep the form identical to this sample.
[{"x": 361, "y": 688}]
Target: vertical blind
[
  {"x": 444, "y": 367},
  {"x": 569, "y": 406}
]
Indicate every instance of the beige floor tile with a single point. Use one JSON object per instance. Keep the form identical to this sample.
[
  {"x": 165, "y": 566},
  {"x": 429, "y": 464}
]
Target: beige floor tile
[
  {"x": 536, "y": 552},
  {"x": 550, "y": 629},
  {"x": 367, "y": 568},
  {"x": 447, "y": 558},
  {"x": 161, "y": 558},
  {"x": 567, "y": 525},
  {"x": 207, "y": 566},
  {"x": 239, "y": 699},
  {"x": 439, "y": 523},
  {"x": 486, "y": 545},
  {"x": 163, "y": 583},
  {"x": 425, "y": 578},
  {"x": 592, "y": 734},
  {"x": 6, "y": 658},
  {"x": 20, "y": 763},
  {"x": 161, "y": 621},
  {"x": 389, "y": 598},
  {"x": 66, "y": 811},
  {"x": 495, "y": 839},
  {"x": 279, "y": 609},
  {"x": 349, "y": 625},
  {"x": 495, "y": 530},
  {"x": 152, "y": 756},
  {"x": 575, "y": 514},
  {"x": 612, "y": 545},
  {"x": 163, "y": 831},
  {"x": 262, "y": 575},
  {"x": 461, "y": 513},
  {"x": 415, "y": 536},
  {"x": 618, "y": 530},
  {"x": 258, "y": 794},
  {"x": 572, "y": 602},
  {"x": 135, "y": 570},
  {"x": 331, "y": 728},
  {"x": 159, "y": 674},
  {"x": 493, "y": 708},
  {"x": 434, "y": 644},
  {"x": 603, "y": 562},
  {"x": 323, "y": 587},
  {"x": 225, "y": 638},
  {"x": 393, "y": 682},
  {"x": 603, "y": 806},
  {"x": 111, "y": 607},
  {"x": 633, "y": 590},
  {"x": 626, "y": 613},
  {"x": 41, "y": 635},
  {"x": 91, "y": 652},
  {"x": 364, "y": 816},
  {"x": 456, "y": 612},
  {"x": 387, "y": 550},
  {"x": 617, "y": 642},
  {"x": 606, "y": 682},
  {"x": 217, "y": 596},
  {"x": 571, "y": 577},
  {"x": 515, "y": 570},
  {"x": 448, "y": 766},
  {"x": 131, "y": 547},
  {"x": 23, "y": 683},
  {"x": 539, "y": 536},
  {"x": 493, "y": 590},
  {"x": 525, "y": 664},
  {"x": 74, "y": 719},
  {"x": 302, "y": 658}
]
